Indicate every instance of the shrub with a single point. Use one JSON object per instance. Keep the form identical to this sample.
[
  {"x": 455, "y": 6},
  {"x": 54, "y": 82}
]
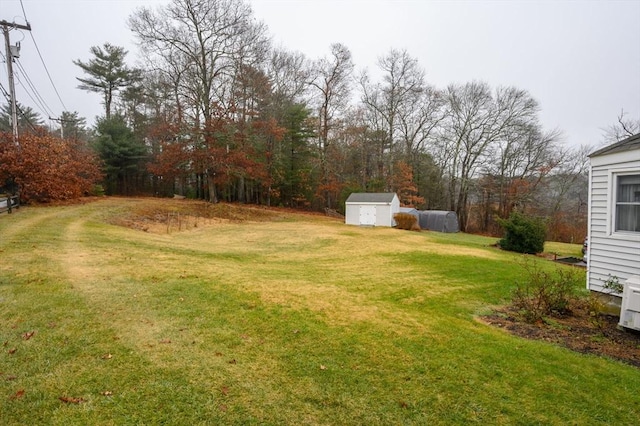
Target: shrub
[
  {"x": 523, "y": 234},
  {"x": 47, "y": 168},
  {"x": 545, "y": 293},
  {"x": 406, "y": 221},
  {"x": 613, "y": 286}
]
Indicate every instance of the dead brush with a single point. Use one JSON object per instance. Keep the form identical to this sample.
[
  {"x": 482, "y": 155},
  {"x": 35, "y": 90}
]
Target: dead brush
[{"x": 406, "y": 221}]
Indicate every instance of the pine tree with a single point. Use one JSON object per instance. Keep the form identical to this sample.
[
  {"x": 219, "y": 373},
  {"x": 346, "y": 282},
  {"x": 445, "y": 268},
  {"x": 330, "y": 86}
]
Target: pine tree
[{"x": 107, "y": 73}]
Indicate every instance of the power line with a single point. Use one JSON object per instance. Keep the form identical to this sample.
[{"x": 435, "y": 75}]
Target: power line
[
  {"x": 42, "y": 60},
  {"x": 48, "y": 75},
  {"x": 42, "y": 103},
  {"x": 39, "y": 101},
  {"x": 5, "y": 93},
  {"x": 23, "y": 12},
  {"x": 11, "y": 52},
  {"x": 20, "y": 111},
  {"x": 43, "y": 109}
]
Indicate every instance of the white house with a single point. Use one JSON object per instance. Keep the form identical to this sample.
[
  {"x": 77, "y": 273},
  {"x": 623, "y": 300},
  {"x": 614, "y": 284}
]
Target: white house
[
  {"x": 371, "y": 209},
  {"x": 614, "y": 213}
]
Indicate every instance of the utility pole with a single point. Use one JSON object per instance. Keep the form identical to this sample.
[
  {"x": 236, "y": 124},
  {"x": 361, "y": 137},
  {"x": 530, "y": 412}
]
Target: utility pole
[
  {"x": 61, "y": 121},
  {"x": 11, "y": 53}
]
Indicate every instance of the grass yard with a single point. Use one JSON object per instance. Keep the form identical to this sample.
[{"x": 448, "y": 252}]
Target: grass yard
[{"x": 273, "y": 318}]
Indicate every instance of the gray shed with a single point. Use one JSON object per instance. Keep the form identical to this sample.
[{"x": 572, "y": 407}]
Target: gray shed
[
  {"x": 371, "y": 209},
  {"x": 439, "y": 220}
]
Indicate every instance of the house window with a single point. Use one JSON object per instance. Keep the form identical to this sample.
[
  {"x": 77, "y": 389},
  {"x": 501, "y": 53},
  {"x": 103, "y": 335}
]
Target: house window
[{"x": 628, "y": 203}]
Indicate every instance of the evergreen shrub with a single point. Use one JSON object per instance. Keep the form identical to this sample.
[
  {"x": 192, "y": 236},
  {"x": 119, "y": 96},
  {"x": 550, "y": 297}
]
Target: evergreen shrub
[{"x": 523, "y": 234}]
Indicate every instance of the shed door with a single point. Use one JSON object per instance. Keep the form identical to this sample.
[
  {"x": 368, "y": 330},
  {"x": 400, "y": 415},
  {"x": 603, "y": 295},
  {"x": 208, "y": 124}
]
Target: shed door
[{"x": 368, "y": 215}]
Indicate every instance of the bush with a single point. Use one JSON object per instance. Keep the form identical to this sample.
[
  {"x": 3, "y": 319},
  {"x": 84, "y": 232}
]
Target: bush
[
  {"x": 47, "y": 168},
  {"x": 406, "y": 221},
  {"x": 545, "y": 293},
  {"x": 523, "y": 234}
]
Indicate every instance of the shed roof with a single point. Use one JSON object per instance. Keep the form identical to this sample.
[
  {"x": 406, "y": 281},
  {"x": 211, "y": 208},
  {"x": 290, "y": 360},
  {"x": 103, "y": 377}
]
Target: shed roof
[
  {"x": 408, "y": 210},
  {"x": 371, "y": 197},
  {"x": 628, "y": 144}
]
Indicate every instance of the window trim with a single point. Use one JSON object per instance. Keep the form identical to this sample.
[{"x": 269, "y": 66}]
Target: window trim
[{"x": 614, "y": 175}]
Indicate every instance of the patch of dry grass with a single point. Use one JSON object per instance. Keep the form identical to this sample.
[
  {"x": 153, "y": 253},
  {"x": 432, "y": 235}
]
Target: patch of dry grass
[{"x": 270, "y": 317}]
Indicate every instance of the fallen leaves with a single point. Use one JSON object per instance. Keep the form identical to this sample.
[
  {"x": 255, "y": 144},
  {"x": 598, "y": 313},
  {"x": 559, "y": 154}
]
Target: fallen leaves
[
  {"x": 322, "y": 367},
  {"x": 28, "y": 335},
  {"x": 106, "y": 393},
  {"x": 106, "y": 356},
  {"x": 19, "y": 394},
  {"x": 12, "y": 351}
]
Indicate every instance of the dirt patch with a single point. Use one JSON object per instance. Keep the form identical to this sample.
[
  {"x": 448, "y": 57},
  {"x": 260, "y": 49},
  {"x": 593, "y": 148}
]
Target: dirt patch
[
  {"x": 579, "y": 331},
  {"x": 167, "y": 215}
]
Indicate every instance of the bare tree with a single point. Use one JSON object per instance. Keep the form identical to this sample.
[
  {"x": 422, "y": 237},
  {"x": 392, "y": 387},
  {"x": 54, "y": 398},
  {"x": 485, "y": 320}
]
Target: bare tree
[
  {"x": 403, "y": 108},
  {"x": 477, "y": 119},
  {"x": 332, "y": 81},
  {"x": 203, "y": 44},
  {"x": 289, "y": 73},
  {"x": 624, "y": 128},
  {"x": 403, "y": 104},
  {"x": 520, "y": 160}
]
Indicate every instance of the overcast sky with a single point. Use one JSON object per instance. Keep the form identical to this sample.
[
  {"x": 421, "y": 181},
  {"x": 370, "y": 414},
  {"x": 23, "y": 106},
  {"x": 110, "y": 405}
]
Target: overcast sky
[{"x": 579, "y": 59}]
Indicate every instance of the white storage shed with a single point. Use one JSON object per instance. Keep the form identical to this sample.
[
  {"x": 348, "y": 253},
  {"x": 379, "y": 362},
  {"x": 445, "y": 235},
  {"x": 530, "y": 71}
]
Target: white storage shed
[
  {"x": 614, "y": 213},
  {"x": 371, "y": 208}
]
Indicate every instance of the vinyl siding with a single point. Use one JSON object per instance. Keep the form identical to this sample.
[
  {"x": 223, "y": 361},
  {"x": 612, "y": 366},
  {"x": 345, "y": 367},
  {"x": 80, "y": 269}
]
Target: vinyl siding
[{"x": 611, "y": 254}]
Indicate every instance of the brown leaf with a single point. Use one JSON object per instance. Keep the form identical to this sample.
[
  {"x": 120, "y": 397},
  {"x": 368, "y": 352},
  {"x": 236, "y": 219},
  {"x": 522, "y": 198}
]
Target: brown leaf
[
  {"x": 12, "y": 351},
  {"x": 165, "y": 341},
  {"x": 218, "y": 354},
  {"x": 106, "y": 393},
  {"x": 17, "y": 395},
  {"x": 233, "y": 361},
  {"x": 223, "y": 407},
  {"x": 224, "y": 390},
  {"x": 11, "y": 377},
  {"x": 28, "y": 335},
  {"x": 71, "y": 400}
]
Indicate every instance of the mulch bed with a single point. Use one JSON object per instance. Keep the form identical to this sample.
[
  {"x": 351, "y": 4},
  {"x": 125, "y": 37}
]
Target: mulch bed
[{"x": 578, "y": 331}]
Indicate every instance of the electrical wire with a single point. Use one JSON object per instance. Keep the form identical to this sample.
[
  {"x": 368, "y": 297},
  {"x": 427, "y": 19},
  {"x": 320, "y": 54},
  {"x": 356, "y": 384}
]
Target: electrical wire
[
  {"x": 36, "y": 101},
  {"x": 6, "y": 95},
  {"x": 19, "y": 110},
  {"x": 40, "y": 100},
  {"x": 42, "y": 60}
]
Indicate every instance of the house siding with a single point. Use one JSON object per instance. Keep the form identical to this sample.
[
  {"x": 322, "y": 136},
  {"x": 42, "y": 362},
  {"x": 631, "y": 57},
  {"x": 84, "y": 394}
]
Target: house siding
[{"x": 611, "y": 254}]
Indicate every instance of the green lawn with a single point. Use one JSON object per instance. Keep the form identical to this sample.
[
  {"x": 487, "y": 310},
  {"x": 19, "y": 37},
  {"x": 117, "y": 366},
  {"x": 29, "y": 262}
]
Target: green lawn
[{"x": 294, "y": 320}]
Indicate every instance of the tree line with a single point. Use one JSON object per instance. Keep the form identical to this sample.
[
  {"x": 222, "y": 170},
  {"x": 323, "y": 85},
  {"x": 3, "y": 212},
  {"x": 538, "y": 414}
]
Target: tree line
[{"x": 218, "y": 113}]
